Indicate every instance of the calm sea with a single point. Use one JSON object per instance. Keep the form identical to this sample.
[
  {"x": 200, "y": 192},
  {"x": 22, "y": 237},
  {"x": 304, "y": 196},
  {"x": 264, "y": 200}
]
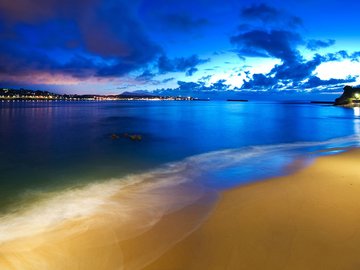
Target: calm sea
[{"x": 46, "y": 147}]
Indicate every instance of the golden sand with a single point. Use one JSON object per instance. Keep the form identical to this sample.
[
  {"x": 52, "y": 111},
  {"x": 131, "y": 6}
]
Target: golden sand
[{"x": 308, "y": 220}]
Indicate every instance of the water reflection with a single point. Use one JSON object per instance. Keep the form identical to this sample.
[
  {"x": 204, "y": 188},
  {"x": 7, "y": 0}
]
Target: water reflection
[
  {"x": 357, "y": 121},
  {"x": 68, "y": 143},
  {"x": 357, "y": 111}
]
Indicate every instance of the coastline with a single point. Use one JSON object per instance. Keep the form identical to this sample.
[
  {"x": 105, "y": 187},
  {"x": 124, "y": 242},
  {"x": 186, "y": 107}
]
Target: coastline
[{"x": 307, "y": 220}]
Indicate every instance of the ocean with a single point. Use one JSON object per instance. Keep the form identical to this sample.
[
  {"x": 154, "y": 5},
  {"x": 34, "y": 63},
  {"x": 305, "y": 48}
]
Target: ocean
[{"x": 68, "y": 161}]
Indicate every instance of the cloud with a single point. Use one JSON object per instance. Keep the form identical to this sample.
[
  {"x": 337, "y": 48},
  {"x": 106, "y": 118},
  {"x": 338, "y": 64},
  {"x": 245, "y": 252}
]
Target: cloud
[
  {"x": 205, "y": 78},
  {"x": 269, "y": 15},
  {"x": 315, "y": 44},
  {"x": 182, "y": 22},
  {"x": 220, "y": 85},
  {"x": 337, "y": 56},
  {"x": 200, "y": 86},
  {"x": 180, "y": 64},
  {"x": 146, "y": 75},
  {"x": 191, "y": 71},
  {"x": 274, "y": 40},
  {"x": 78, "y": 38},
  {"x": 315, "y": 81},
  {"x": 274, "y": 43},
  {"x": 355, "y": 56},
  {"x": 296, "y": 75},
  {"x": 168, "y": 80},
  {"x": 342, "y": 55},
  {"x": 296, "y": 70},
  {"x": 188, "y": 86},
  {"x": 259, "y": 81}
]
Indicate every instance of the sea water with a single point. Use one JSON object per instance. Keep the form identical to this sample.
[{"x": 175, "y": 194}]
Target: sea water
[{"x": 60, "y": 161}]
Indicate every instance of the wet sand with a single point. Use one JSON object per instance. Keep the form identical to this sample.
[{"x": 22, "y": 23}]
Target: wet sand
[{"x": 308, "y": 220}]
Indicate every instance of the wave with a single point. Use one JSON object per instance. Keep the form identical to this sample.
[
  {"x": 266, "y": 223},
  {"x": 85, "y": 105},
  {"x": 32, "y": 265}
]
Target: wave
[{"x": 127, "y": 223}]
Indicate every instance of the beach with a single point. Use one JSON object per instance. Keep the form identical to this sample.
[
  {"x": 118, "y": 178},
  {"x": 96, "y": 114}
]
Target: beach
[
  {"x": 264, "y": 196},
  {"x": 307, "y": 220}
]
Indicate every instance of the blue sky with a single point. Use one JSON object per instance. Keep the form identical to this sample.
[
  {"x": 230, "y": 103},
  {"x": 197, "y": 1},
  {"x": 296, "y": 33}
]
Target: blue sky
[{"x": 187, "y": 47}]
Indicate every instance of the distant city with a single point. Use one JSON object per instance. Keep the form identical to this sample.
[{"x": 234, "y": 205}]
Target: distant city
[{"x": 27, "y": 94}]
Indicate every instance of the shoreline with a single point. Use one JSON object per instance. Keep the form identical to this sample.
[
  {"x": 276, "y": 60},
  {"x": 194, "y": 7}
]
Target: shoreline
[
  {"x": 306, "y": 220},
  {"x": 266, "y": 224}
]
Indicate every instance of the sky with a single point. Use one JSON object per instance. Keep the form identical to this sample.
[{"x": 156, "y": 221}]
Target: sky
[{"x": 188, "y": 47}]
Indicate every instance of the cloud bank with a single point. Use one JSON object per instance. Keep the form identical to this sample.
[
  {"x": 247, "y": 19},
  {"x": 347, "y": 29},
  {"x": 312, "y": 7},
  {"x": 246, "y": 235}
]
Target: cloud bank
[{"x": 278, "y": 38}]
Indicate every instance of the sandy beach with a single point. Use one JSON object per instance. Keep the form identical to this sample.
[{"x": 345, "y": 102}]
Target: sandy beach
[{"x": 308, "y": 220}]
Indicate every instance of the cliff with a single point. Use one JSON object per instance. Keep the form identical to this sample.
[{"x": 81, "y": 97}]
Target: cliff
[{"x": 350, "y": 97}]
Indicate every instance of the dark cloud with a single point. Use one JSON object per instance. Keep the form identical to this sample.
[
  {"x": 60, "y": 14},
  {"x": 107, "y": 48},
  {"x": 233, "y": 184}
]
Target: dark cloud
[
  {"x": 315, "y": 81},
  {"x": 191, "y": 71},
  {"x": 262, "y": 12},
  {"x": 315, "y": 44},
  {"x": 146, "y": 75},
  {"x": 337, "y": 56},
  {"x": 180, "y": 64},
  {"x": 247, "y": 74},
  {"x": 297, "y": 75},
  {"x": 342, "y": 55},
  {"x": 27, "y": 11},
  {"x": 294, "y": 71},
  {"x": 168, "y": 80},
  {"x": 205, "y": 78},
  {"x": 188, "y": 86},
  {"x": 182, "y": 22},
  {"x": 269, "y": 15},
  {"x": 274, "y": 43},
  {"x": 78, "y": 66},
  {"x": 219, "y": 85},
  {"x": 355, "y": 56},
  {"x": 200, "y": 86},
  {"x": 79, "y": 38},
  {"x": 114, "y": 32},
  {"x": 259, "y": 81}
]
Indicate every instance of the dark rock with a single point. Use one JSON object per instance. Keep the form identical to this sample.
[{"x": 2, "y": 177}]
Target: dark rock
[
  {"x": 114, "y": 136},
  {"x": 350, "y": 96}
]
